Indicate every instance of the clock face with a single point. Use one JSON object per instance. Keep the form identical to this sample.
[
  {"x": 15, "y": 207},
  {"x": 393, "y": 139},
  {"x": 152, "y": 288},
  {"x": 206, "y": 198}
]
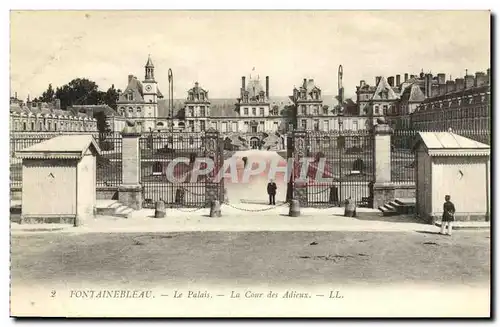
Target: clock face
[{"x": 148, "y": 87}]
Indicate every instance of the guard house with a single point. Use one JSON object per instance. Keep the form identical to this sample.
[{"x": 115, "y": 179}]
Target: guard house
[
  {"x": 59, "y": 180},
  {"x": 450, "y": 164}
]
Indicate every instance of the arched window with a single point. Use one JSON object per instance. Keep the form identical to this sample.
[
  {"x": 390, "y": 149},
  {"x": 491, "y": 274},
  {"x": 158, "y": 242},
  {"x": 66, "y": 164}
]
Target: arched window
[
  {"x": 130, "y": 109},
  {"x": 191, "y": 140},
  {"x": 159, "y": 124},
  {"x": 122, "y": 111}
]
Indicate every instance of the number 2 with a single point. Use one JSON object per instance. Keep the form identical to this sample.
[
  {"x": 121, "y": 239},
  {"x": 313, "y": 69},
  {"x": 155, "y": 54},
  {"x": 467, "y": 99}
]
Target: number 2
[{"x": 53, "y": 294}]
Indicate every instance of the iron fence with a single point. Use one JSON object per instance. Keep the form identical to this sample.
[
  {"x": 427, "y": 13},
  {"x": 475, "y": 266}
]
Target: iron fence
[
  {"x": 159, "y": 151},
  {"x": 403, "y": 158},
  {"x": 347, "y": 170},
  {"x": 108, "y": 165}
]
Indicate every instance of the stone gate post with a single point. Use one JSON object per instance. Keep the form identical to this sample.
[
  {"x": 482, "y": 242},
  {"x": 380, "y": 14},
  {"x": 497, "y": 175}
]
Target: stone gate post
[
  {"x": 130, "y": 191},
  {"x": 383, "y": 188}
]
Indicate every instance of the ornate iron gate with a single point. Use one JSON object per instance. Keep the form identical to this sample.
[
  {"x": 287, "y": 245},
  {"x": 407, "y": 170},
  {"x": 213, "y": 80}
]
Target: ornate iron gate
[
  {"x": 340, "y": 166},
  {"x": 180, "y": 154}
]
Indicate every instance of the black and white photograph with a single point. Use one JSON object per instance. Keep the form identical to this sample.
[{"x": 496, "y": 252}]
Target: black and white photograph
[{"x": 244, "y": 163}]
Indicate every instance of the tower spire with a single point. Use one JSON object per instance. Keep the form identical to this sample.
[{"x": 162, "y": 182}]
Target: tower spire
[{"x": 150, "y": 70}]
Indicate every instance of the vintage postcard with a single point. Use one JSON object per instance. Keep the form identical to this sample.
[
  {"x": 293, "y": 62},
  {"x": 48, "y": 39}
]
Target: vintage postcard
[{"x": 250, "y": 163}]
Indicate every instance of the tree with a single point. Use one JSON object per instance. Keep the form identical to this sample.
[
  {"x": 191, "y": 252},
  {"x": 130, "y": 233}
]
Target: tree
[
  {"x": 48, "y": 95},
  {"x": 110, "y": 97},
  {"x": 79, "y": 91}
]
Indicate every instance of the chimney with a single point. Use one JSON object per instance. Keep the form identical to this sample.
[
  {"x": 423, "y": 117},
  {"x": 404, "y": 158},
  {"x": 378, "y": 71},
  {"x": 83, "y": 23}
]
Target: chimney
[
  {"x": 242, "y": 86},
  {"x": 412, "y": 76},
  {"x": 130, "y": 77},
  {"x": 267, "y": 87},
  {"x": 481, "y": 79},
  {"x": 57, "y": 103},
  {"x": 398, "y": 80},
  {"x": 441, "y": 78},
  {"x": 16, "y": 92},
  {"x": 450, "y": 86},
  {"x": 428, "y": 85},
  {"x": 406, "y": 77},
  {"x": 305, "y": 83},
  {"x": 442, "y": 89},
  {"x": 377, "y": 80},
  {"x": 469, "y": 81},
  {"x": 390, "y": 80},
  {"x": 488, "y": 73},
  {"x": 434, "y": 90},
  {"x": 362, "y": 83},
  {"x": 459, "y": 84}
]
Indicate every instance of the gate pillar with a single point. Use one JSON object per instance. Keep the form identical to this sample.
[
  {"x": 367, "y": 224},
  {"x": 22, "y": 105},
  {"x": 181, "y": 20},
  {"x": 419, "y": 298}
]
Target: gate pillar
[
  {"x": 214, "y": 149},
  {"x": 299, "y": 154},
  {"x": 383, "y": 189},
  {"x": 130, "y": 191}
]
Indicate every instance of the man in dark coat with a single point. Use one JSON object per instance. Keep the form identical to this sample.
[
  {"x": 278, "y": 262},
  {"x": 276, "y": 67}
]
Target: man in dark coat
[
  {"x": 448, "y": 215},
  {"x": 271, "y": 190}
]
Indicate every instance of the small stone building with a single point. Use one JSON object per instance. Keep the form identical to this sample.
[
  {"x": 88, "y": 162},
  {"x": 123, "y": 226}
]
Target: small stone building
[
  {"x": 59, "y": 180},
  {"x": 450, "y": 164}
]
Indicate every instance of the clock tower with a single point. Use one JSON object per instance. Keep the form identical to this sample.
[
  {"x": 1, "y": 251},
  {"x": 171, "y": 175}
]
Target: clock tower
[
  {"x": 150, "y": 88},
  {"x": 150, "y": 94}
]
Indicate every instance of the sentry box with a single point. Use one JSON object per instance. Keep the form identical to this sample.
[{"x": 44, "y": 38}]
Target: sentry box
[{"x": 59, "y": 180}]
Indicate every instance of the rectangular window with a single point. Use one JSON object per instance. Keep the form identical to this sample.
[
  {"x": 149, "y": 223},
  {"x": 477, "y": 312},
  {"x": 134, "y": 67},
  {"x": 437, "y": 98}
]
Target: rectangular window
[
  {"x": 385, "y": 110},
  {"x": 224, "y": 127},
  {"x": 191, "y": 126},
  {"x": 245, "y": 110},
  {"x": 235, "y": 126},
  {"x": 254, "y": 111},
  {"x": 325, "y": 110},
  {"x": 191, "y": 111},
  {"x": 326, "y": 125},
  {"x": 376, "y": 110},
  {"x": 202, "y": 125},
  {"x": 304, "y": 110},
  {"x": 261, "y": 126},
  {"x": 275, "y": 126},
  {"x": 304, "y": 124},
  {"x": 355, "y": 125},
  {"x": 262, "y": 111},
  {"x": 316, "y": 125},
  {"x": 316, "y": 110},
  {"x": 202, "y": 111}
]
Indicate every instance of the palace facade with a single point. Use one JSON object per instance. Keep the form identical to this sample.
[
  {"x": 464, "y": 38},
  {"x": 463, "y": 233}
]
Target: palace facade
[{"x": 47, "y": 117}]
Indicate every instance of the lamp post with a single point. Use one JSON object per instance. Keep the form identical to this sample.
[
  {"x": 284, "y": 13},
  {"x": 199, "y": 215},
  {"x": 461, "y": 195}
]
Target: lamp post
[{"x": 170, "y": 98}]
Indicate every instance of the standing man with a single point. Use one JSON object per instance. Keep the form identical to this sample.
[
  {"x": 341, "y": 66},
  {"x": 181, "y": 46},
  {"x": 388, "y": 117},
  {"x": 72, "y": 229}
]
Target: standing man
[
  {"x": 271, "y": 190},
  {"x": 448, "y": 215}
]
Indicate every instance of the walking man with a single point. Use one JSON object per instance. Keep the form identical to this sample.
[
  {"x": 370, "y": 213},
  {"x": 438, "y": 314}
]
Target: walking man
[
  {"x": 271, "y": 191},
  {"x": 448, "y": 215}
]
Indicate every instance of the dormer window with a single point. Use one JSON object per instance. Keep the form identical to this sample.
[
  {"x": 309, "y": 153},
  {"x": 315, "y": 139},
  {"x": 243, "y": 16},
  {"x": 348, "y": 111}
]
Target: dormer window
[{"x": 130, "y": 96}]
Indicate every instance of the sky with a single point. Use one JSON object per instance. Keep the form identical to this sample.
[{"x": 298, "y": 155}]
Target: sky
[{"x": 217, "y": 48}]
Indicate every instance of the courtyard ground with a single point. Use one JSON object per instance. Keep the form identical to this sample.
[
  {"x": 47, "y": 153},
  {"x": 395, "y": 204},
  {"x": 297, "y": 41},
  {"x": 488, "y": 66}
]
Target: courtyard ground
[
  {"x": 253, "y": 257},
  {"x": 371, "y": 273}
]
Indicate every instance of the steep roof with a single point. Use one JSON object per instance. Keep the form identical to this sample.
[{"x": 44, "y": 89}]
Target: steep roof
[
  {"x": 134, "y": 87},
  {"x": 254, "y": 87},
  {"x": 383, "y": 86},
  {"x": 413, "y": 93}
]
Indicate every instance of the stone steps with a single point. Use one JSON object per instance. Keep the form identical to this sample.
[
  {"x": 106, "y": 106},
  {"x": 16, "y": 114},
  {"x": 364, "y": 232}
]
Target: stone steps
[{"x": 401, "y": 206}]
